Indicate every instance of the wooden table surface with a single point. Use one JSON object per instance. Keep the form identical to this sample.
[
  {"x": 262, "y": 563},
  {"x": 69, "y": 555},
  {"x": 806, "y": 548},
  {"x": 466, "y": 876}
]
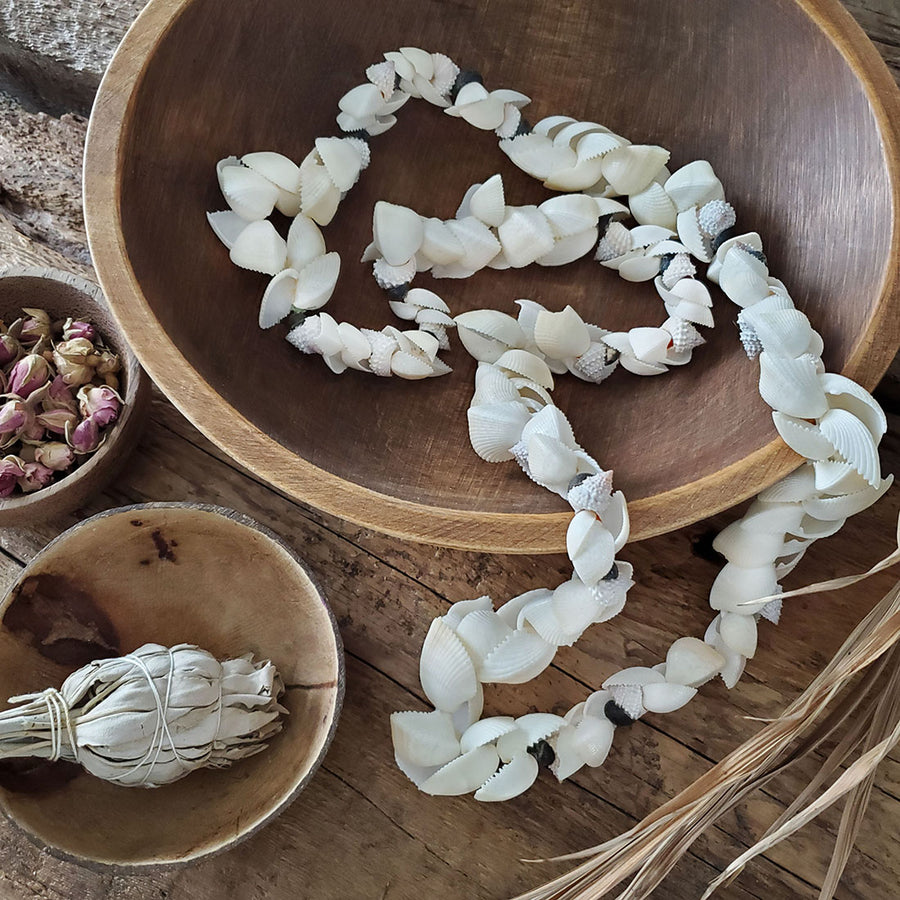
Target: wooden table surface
[{"x": 361, "y": 830}]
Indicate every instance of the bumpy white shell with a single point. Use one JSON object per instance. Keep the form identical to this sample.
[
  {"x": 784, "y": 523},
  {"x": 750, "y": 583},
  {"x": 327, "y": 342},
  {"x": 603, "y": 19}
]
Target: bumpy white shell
[
  {"x": 494, "y": 428},
  {"x": 445, "y": 669},
  {"x": 691, "y": 662},
  {"x": 464, "y": 774},
  {"x": 424, "y": 738}
]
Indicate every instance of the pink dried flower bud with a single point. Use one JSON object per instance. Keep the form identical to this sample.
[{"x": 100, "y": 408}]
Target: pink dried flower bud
[
  {"x": 28, "y": 374},
  {"x": 10, "y": 349},
  {"x": 60, "y": 396},
  {"x": 14, "y": 415},
  {"x": 72, "y": 360},
  {"x": 36, "y": 476},
  {"x": 57, "y": 420},
  {"x": 109, "y": 363},
  {"x": 100, "y": 403},
  {"x": 35, "y": 327},
  {"x": 85, "y": 437},
  {"x": 55, "y": 455},
  {"x": 75, "y": 329},
  {"x": 11, "y": 470}
]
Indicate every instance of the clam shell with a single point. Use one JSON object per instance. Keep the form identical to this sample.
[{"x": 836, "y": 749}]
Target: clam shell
[
  {"x": 278, "y": 169},
  {"x": 666, "y": 698},
  {"x": 739, "y": 632},
  {"x": 590, "y": 547},
  {"x": 639, "y": 675},
  {"x": 512, "y": 744},
  {"x": 536, "y": 154},
  {"x": 492, "y": 386},
  {"x": 552, "y": 422},
  {"x": 424, "y": 738},
  {"x": 751, "y": 239},
  {"x": 792, "y": 386},
  {"x": 317, "y": 281},
  {"x": 773, "y": 518},
  {"x": 802, "y": 437},
  {"x": 550, "y": 463},
  {"x": 480, "y": 245},
  {"x": 561, "y": 335},
  {"x": 511, "y": 97},
  {"x": 421, "y": 60},
  {"x": 494, "y": 428},
  {"x": 743, "y": 277},
  {"x": 521, "y": 657},
  {"x": 837, "y": 478},
  {"x": 247, "y": 192},
  {"x": 304, "y": 242},
  {"x": 227, "y": 225},
  {"x": 512, "y": 609},
  {"x": 485, "y": 113},
  {"x": 445, "y": 669},
  {"x": 527, "y": 365},
  {"x": 630, "y": 169},
  {"x": 691, "y": 662},
  {"x": 735, "y": 585},
  {"x": 748, "y": 547},
  {"x": 830, "y": 509},
  {"x": 398, "y": 232},
  {"x": 799, "y": 485},
  {"x": 581, "y": 175},
  {"x": 853, "y": 440},
  {"x": 593, "y": 739},
  {"x": 410, "y": 366},
  {"x": 596, "y": 144},
  {"x": 846, "y": 394},
  {"x": 649, "y": 345},
  {"x": 356, "y": 349},
  {"x": 464, "y": 774},
  {"x": 568, "y": 249},
  {"x": 539, "y": 726},
  {"x": 694, "y": 185},
  {"x": 278, "y": 298},
  {"x": 491, "y": 323},
  {"x": 783, "y": 332},
  {"x": 552, "y": 125},
  {"x": 260, "y": 248},
  {"x": 541, "y": 616},
  {"x": 653, "y": 206},
  {"x": 487, "y": 202},
  {"x": 690, "y": 234},
  {"x": 639, "y": 268},
  {"x": 363, "y": 101},
  {"x": 574, "y": 606},
  {"x": 509, "y": 781},
  {"x": 462, "y": 608},
  {"x": 440, "y": 244},
  {"x": 525, "y": 235},
  {"x": 486, "y": 731},
  {"x": 481, "y": 631},
  {"x": 615, "y": 518},
  {"x": 570, "y": 214},
  {"x": 688, "y": 299},
  {"x": 568, "y": 759}
]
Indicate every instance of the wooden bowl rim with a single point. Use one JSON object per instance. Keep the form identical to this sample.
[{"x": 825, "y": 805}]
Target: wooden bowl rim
[
  {"x": 461, "y": 529},
  {"x": 234, "y": 517},
  {"x": 134, "y": 388}
]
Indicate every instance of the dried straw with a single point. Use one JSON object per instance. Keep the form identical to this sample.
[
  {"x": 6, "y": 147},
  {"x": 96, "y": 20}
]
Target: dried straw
[{"x": 868, "y": 718}]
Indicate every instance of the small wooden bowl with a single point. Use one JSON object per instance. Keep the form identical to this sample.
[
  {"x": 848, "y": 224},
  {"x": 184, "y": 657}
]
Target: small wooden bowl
[
  {"x": 168, "y": 573},
  {"x": 63, "y": 294},
  {"x": 787, "y": 99}
]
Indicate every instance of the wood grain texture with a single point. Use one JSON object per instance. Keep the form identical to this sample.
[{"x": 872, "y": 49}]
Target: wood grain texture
[
  {"x": 797, "y": 83},
  {"x": 359, "y": 831}
]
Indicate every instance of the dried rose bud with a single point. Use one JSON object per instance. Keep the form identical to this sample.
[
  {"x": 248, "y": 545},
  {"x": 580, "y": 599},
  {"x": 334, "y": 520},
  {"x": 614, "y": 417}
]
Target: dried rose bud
[
  {"x": 85, "y": 437},
  {"x": 60, "y": 396},
  {"x": 54, "y": 455},
  {"x": 75, "y": 329},
  {"x": 57, "y": 420},
  {"x": 100, "y": 403},
  {"x": 35, "y": 327},
  {"x": 10, "y": 349},
  {"x": 108, "y": 364},
  {"x": 14, "y": 415},
  {"x": 72, "y": 361},
  {"x": 36, "y": 476},
  {"x": 28, "y": 374},
  {"x": 11, "y": 470}
]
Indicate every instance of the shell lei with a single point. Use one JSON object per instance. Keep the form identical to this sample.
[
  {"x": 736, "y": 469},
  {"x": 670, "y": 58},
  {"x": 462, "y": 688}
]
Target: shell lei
[{"x": 682, "y": 219}]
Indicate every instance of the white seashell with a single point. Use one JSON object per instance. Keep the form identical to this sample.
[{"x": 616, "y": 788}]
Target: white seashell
[
  {"x": 846, "y": 394},
  {"x": 227, "y": 225},
  {"x": 748, "y": 547},
  {"x": 552, "y": 125},
  {"x": 512, "y": 118},
  {"x": 596, "y": 144},
  {"x": 694, "y": 185},
  {"x": 319, "y": 198},
  {"x": 739, "y": 633},
  {"x": 469, "y": 712},
  {"x": 590, "y": 547},
  {"x": 541, "y": 616},
  {"x": 485, "y": 113},
  {"x": 783, "y": 332},
  {"x": 222, "y": 164},
  {"x": 278, "y": 169},
  {"x": 278, "y": 298},
  {"x": 508, "y": 96},
  {"x": 550, "y": 463},
  {"x": 363, "y": 101},
  {"x": 487, "y": 202},
  {"x": 388, "y": 276},
  {"x": 479, "y": 243},
  {"x": 486, "y": 731},
  {"x": 511, "y": 610},
  {"x": 398, "y": 232},
  {"x": 568, "y": 249},
  {"x": 802, "y": 437},
  {"x": 691, "y": 235},
  {"x": 691, "y": 662},
  {"x": 853, "y": 440},
  {"x": 260, "y": 248},
  {"x": 356, "y": 349},
  {"x": 570, "y": 214},
  {"x": 750, "y": 239},
  {"x": 494, "y": 428},
  {"x": 317, "y": 281},
  {"x": 653, "y": 206},
  {"x": 649, "y": 345},
  {"x": 421, "y": 60},
  {"x": 666, "y": 698},
  {"x": 615, "y": 518},
  {"x": 582, "y": 175},
  {"x": 481, "y": 631},
  {"x": 521, "y": 657},
  {"x": 830, "y": 509},
  {"x": 525, "y": 235},
  {"x": 304, "y": 242},
  {"x": 512, "y": 744},
  {"x": 287, "y": 203},
  {"x": 527, "y": 365},
  {"x": 424, "y": 738},
  {"x": 383, "y": 76},
  {"x": 536, "y": 154},
  {"x": 539, "y": 726},
  {"x": 575, "y": 606},
  {"x": 799, "y": 485},
  {"x": 777, "y": 518},
  {"x": 568, "y": 758},
  {"x": 342, "y": 161},
  {"x": 502, "y": 330},
  {"x": 639, "y": 675},
  {"x": 561, "y": 335},
  {"x": 512, "y": 779},
  {"x": 688, "y": 299},
  {"x": 639, "y": 268},
  {"x": 811, "y": 528},
  {"x": 734, "y": 662},
  {"x": 735, "y": 585},
  {"x": 410, "y": 366},
  {"x": 630, "y": 169},
  {"x": 440, "y": 244},
  {"x": 462, "y": 608},
  {"x": 743, "y": 277},
  {"x": 247, "y": 192},
  {"x": 593, "y": 739},
  {"x": 492, "y": 386},
  {"x": 595, "y": 704},
  {"x": 833, "y": 477},
  {"x": 445, "y": 669},
  {"x": 464, "y": 774},
  {"x": 791, "y": 386}
]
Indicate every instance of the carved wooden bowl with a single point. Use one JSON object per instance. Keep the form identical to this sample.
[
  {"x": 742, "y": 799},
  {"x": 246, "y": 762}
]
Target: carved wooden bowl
[
  {"x": 63, "y": 294},
  {"x": 787, "y": 100},
  {"x": 168, "y": 573}
]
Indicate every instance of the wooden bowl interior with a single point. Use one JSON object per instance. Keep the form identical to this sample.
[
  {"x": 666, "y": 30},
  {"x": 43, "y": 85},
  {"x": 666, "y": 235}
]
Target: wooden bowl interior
[
  {"x": 758, "y": 89},
  {"x": 169, "y": 575},
  {"x": 62, "y": 295}
]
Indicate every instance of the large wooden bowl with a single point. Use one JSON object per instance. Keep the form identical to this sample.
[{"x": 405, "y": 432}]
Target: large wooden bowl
[
  {"x": 62, "y": 294},
  {"x": 168, "y": 573},
  {"x": 788, "y": 100}
]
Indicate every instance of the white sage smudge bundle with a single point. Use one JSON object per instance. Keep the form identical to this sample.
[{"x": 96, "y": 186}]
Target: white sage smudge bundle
[{"x": 151, "y": 717}]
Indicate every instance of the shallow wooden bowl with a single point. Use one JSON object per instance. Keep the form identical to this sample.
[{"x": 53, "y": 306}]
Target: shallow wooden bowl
[
  {"x": 788, "y": 100},
  {"x": 168, "y": 573},
  {"x": 62, "y": 294}
]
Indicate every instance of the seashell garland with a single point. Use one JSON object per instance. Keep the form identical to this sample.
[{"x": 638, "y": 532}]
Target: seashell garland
[{"x": 681, "y": 218}]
